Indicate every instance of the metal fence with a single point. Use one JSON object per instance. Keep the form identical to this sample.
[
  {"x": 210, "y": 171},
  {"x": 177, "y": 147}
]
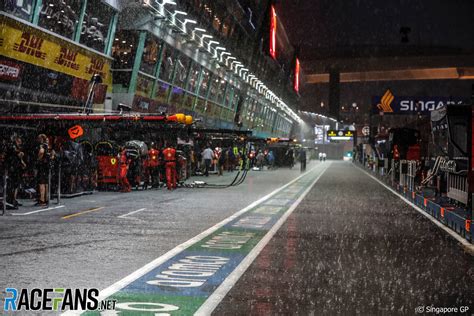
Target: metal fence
[{"x": 457, "y": 187}]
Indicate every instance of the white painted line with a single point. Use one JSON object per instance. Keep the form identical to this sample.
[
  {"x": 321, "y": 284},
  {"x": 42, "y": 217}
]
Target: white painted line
[
  {"x": 39, "y": 211},
  {"x": 452, "y": 233},
  {"x": 211, "y": 303},
  {"x": 131, "y": 213},
  {"x": 117, "y": 286}
]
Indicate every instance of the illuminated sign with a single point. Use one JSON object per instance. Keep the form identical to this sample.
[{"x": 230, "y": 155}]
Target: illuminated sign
[
  {"x": 29, "y": 45},
  {"x": 340, "y": 135},
  {"x": 273, "y": 30},
  {"x": 296, "y": 84},
  {"x": 385, "y": 104},
  {"x": 274, "y": 140},
  {"x": 320, "y": 134},
  {"x": 392, "y": 104}
]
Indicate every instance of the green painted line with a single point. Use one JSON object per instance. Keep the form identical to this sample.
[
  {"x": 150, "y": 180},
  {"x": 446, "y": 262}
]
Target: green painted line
[
  {"x": 210, "y": 245},
  {"x": 182, "y": 283}
]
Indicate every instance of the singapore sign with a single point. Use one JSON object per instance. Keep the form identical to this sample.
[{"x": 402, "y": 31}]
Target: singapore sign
[{"x": 389, "y": 103}]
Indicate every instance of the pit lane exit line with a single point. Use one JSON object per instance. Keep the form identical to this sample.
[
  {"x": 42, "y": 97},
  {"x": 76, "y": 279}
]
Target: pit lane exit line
[{"x": 179, "y": 250}]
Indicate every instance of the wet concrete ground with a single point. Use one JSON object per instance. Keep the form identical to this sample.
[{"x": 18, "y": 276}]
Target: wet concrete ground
[
  {"x": 98, "y": 247},
  {"x": 352, "y": 247}
]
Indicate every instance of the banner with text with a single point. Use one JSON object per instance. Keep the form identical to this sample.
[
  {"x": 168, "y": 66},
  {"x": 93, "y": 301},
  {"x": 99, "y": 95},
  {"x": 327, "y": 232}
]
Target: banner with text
[
  {"x": 25, "y": 43},
  {"x": 390, "y": 103}
]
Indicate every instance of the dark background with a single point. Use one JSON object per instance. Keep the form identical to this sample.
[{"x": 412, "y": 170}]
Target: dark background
[{"x": 330, "y": 28}]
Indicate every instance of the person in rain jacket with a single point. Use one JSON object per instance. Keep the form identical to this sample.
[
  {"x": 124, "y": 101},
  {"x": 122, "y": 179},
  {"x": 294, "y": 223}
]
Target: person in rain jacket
[
  {"x": 124, "y": 164},
  {"x": 260, "y": 159},
  {"x": 271, "y": 160}
]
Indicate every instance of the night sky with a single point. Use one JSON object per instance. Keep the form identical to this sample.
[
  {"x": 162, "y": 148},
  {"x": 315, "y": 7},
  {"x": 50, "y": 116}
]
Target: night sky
[
  {"x": 317, "y": 24},
  {"x": 333, "y": 27}
]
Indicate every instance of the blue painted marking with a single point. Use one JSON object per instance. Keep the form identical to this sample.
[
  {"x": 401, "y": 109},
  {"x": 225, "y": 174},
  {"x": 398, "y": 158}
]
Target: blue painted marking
[
  {"x": 192, "y": 278},
  {"x": 210, "y": 282}
]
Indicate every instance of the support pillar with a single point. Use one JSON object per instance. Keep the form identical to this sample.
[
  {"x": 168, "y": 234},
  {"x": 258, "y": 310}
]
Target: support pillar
[
  {"x": 111, "y": 34},
  {"x": 138, "y": 60},
  {"x": 82, "y": 14},
  {"x": 36, "y": 12},
  {"x": 334, "y": 93}
]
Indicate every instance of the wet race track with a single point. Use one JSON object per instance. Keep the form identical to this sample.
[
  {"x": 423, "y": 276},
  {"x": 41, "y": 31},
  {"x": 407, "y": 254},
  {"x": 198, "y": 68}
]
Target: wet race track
[{"x": 331, "y": 241}]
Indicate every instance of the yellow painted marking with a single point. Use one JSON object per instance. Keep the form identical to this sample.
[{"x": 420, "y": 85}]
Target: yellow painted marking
[{"x": 83, "y": 212}]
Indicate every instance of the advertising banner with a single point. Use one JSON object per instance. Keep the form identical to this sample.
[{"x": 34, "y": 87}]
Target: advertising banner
[
  {"x": 390, "y": 103},
  {"x": 27, "y": 44}
]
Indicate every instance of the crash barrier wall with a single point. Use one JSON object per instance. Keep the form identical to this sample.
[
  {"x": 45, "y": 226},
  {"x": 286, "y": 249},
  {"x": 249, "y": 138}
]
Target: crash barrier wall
[{"x": 445, "y": 213}]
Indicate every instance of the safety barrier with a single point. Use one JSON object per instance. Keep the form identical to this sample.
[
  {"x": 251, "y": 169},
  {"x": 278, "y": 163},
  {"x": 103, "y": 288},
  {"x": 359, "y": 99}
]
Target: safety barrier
[
  {"x": 443, "y": 212},
  {"x": 412, "y": 165},
  {"x": 385, "y": 166},
  {"x": 5, "y": 190},
  {"x": 381, "y": 166},
  {"x": 457, "y": 187},
  {"x": 403, "y": 178},
  {"x": 394, "y": 172},
  {"x": 454, "y": 217}
]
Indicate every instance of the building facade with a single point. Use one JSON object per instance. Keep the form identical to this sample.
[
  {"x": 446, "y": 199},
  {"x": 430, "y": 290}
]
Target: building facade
[
  {"x": 206, "y": 58},
  {"x": 47, "y": 60}
]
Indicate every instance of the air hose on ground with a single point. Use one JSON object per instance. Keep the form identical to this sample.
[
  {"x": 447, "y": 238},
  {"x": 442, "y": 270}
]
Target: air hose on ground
[{"x": 238, "y": 179}]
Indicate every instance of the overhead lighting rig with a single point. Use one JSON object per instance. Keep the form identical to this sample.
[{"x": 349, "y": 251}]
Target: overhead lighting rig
[{"x": 205, "y": 42}]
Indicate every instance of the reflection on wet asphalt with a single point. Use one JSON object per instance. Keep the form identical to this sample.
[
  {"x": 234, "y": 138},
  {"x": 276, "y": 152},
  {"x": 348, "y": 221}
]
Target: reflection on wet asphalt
[
  {"x": 96, "y": 249},
  {"x": 352, "y": 247}
]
